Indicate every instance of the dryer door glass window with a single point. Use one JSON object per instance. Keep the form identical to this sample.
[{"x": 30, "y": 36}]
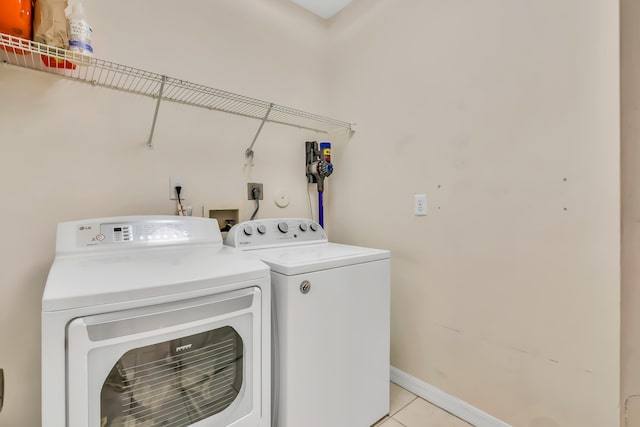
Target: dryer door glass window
[{"x": 174, "y": 383}]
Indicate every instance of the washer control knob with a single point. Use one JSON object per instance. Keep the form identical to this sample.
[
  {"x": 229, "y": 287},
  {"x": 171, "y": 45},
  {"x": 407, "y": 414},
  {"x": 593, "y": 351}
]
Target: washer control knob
[
  {"x": 283, "y": 227},
  {"x": 262, "y": 229},
  {"x": 303, "y": 227},
  {"x": 314, "y": 226},
  {"x": 248, "y": 230}
]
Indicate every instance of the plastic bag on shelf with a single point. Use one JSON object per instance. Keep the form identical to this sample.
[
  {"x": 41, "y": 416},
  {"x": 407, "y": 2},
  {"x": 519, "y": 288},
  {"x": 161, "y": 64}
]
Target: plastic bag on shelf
[{"x": 50, "y": 23}]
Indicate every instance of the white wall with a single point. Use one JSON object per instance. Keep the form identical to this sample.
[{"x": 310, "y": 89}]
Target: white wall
[
  {"x": 505, "y": 113},
  {"x": 71, "y": 151}
]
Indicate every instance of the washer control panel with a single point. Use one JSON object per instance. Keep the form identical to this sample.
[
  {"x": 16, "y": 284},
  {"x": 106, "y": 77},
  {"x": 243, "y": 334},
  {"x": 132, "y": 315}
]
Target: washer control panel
[{"x": 275, "y": 232}]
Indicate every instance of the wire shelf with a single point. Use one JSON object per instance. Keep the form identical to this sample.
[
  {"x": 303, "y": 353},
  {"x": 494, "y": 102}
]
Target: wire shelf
[{"x": 98, "y": 72}]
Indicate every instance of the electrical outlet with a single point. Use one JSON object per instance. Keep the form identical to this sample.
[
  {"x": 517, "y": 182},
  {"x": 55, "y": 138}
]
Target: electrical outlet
[
  {"x": 250, "y": 187},
  {"x": 420, "y": 204},
  {"x": 174, "y": 182}
]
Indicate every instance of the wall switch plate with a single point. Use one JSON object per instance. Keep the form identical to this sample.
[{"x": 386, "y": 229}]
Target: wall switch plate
[
  {"x": 175, "y": 181},
  {"x": 420, "y": 204}
]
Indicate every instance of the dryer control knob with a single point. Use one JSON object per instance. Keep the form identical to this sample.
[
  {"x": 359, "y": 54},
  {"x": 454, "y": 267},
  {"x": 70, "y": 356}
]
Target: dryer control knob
[
  {"x": 248, "y": 230},
  {"x": 283, "y": 227},
  {"x": 303, "y": 227},
  {"x": 314, "y": 226},
  {"x": 262, "y": 229}
]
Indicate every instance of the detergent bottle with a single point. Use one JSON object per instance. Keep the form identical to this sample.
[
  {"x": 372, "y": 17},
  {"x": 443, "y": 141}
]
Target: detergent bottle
[
  {"x": 15, "y": 19},
  {"x": 79, "y": 30}
]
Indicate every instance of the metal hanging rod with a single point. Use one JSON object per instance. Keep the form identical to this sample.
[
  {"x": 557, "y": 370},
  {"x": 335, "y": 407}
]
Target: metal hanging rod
[{"x": 98, "y": 72}]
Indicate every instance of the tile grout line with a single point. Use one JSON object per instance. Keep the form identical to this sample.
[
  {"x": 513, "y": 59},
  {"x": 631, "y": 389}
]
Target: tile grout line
[
  {"x": 397, "y": 421},
  {"x": 399, "y": 410},
  {"x": 413, "y": 400}
]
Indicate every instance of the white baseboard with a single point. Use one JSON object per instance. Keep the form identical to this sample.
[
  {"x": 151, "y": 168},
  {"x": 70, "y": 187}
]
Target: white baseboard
[{"x": 451, "y": 404}]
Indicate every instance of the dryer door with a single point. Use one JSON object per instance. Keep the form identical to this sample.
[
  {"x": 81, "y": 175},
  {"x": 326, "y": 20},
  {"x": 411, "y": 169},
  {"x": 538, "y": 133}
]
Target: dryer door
[{"x": 189, "y": 363}]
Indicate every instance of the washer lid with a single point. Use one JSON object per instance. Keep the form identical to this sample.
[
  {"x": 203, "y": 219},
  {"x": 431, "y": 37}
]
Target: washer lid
[
  {"x": 103, "y": 278},
  {"x": 314, "y": 257}
]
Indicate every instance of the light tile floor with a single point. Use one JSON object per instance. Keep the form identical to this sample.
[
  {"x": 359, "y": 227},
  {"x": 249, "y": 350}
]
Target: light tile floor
[{"x": 408, "y": 410}]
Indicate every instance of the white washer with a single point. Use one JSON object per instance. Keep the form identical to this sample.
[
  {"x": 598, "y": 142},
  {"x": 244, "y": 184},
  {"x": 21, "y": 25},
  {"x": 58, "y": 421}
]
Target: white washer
[
  {"x": 152, "y": 321},
  {"x": 331, "y": 324}
]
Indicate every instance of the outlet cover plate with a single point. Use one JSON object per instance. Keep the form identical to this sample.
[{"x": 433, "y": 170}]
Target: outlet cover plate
[
  {"x": 250, "y": 186},
  {"x": 175, "y": 181}
]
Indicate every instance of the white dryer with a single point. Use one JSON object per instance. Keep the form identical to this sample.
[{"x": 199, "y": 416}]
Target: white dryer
[
  {"x": 151, "y": 321},
  {"x": 331, "y": 324}
]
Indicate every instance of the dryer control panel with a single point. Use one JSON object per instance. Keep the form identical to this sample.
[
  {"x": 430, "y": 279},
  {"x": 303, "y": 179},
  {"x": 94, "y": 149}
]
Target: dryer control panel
[
  {"x": 128, "y": 232},
  {"x": 275, "y": 232},
  {"x": 135, "y": 231}
]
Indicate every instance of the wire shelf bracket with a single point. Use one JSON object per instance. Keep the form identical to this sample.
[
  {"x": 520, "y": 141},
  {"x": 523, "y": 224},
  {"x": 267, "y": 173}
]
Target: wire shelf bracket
[
  {"x": 249, "y": 152},
  {"x": 98, "y": 72},
  {"x": 155, "y": 115}
]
